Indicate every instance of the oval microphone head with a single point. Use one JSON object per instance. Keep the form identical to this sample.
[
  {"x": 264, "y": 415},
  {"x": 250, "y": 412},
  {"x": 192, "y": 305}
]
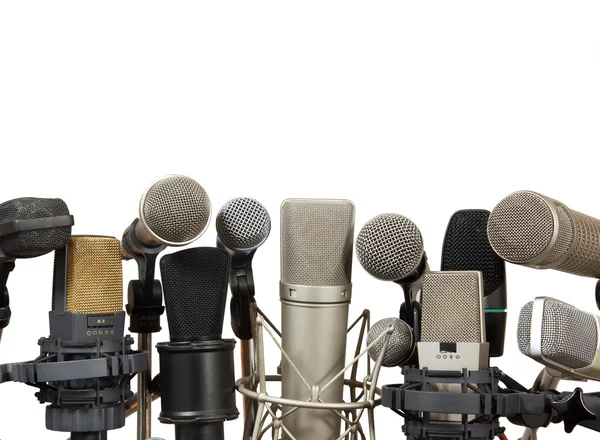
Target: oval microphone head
[
  {"x": 29, "y": 243},
  {"x": 390, "y": 247},
  {"x": 175, "y": 211},
  {"x": 400, "y": 345},
  {"x": 243, "y": 224}
]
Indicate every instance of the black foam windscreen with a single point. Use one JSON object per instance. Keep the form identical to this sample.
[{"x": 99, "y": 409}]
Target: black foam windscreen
[
  {"x": 34, "y": 242},
  {"x": 466, "y": 247},
  {"x": 195, "y": 283}
]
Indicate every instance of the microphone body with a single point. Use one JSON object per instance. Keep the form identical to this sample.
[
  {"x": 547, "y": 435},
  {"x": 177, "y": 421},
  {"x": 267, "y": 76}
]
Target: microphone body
[
  {"x": 467, "y": 247},
  {"x": 315, "y": 293},
  {"x": 561, "y": 337},
  {"x": 533, "y": 230}
]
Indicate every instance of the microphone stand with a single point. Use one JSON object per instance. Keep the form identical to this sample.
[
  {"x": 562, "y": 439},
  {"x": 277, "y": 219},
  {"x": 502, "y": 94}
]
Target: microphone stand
[{"x": 144, "y": 307}]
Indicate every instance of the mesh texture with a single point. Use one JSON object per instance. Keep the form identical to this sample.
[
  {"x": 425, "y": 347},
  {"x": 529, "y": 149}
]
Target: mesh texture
[
  {"x": 195, "y": 285},
  {"x": 466, "y": 247},
  {"x": 176, "y": 209},
  {"x": 27, "y": 244},
  {"x": 584, "y": 256},
  {"x": 451, "y": 303},
  {"x": 243, "y": 224},
  {"x": 317, "y": 242},
  {"x": 389, "y": 247},
  {"x": 400, "y": 345}
]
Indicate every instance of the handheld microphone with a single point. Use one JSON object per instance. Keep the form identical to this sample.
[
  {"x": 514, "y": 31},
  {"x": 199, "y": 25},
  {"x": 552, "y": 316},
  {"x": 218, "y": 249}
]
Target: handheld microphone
[
  {"x": 86, "y": 364},
  {"x": 390, "y": 247},
  {"x": 174, "y": 211},
  {"x": 29, "y": 227},
  {"x": 196, "y": 366},
  {"x": 533, "y": 230},
  {"x": 400, "y": 346},
  {"x": 315, "y": 293},
  {"x": 466, "y": 247},
  {"x": 561, "y": 337}
]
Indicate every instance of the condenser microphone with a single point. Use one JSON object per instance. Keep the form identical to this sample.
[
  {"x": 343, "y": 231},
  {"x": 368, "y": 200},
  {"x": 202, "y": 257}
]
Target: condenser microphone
[
  {"x": 467, "y": 247},
  {"x": 533, "y": 230},
  {"x": 29, "y": 227},
  {"x": 196, "y": 366},
  {"x": 390, "y": 247},
  {"x": 400, "y": 346},
  {"x": 561, "y": 337},
  {"x": 315, "y": 293},
  {"x": 86, "y": 363}
]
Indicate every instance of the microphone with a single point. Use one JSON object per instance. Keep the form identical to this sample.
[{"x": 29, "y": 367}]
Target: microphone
[
  {"x": 315, "y": 293},
  {"x": 29, "y": 227},
  {"x": 86, "y": 364},
  {"x": 196, "y": 366},
  {"x": 452, "y": 328},
  {"x": 466, "y": 247},
  {"x": 400, "y": 346},
  {"x": 174, "y": 211},
  {"x": 533, "y": 230},
  {"x": 561, "y": 337},
  {"x": 390, "y": 247}
]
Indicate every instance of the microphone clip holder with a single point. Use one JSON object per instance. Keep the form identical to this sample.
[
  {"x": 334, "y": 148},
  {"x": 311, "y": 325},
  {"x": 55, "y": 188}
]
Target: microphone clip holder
[
  {"x": 5, "y": 268},
  {"x": 241, "y": 282}
]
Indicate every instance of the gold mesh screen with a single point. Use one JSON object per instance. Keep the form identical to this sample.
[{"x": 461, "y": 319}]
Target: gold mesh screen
[{"x": 94, "y": 275}]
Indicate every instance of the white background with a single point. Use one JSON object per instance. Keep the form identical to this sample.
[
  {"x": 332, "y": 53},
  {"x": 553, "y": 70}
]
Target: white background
[{"x": 419, "y": 108}]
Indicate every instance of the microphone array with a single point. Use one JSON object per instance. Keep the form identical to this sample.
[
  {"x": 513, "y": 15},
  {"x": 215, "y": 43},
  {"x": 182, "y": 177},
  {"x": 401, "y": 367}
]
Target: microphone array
[{"x": 450, "y": 325}]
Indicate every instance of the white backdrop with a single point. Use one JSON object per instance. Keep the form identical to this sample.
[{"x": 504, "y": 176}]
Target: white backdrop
[{"x": 420, "y": 108}]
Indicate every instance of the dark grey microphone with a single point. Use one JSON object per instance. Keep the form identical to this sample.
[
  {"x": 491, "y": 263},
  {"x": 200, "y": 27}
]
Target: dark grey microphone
[
  {"x": 315, "y": 291},
  {"x": 533, "y": 230},
  {"x": 400, "y": 346},
  {"x": 561, "y": 337}
]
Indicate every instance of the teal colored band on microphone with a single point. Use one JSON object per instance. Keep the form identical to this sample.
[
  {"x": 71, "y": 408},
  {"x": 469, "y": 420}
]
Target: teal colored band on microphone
[{"x": 495, "y": 310}]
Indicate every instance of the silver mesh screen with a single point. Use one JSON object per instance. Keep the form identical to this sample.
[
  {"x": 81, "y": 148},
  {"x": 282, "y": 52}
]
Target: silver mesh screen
[
  {"x": 521, "y": 227},
  {"x": 565, "y": 235},
  {"x": 317, "y": 242},
  {"x": 243, "y": 224},
  {"x": 399, "y": 346},
  {"x": 569, "y": 335},
  {"x": 176, "y": 209},
  {"x": 451, "y": 303},
  {"x": 584, "y": 256},
  {"x": 389, "y": 247}
]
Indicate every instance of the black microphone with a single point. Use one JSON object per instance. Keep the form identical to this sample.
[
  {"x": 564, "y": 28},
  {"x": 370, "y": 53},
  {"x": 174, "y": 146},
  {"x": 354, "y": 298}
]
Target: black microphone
[
  {"x": 197, "y": 382},
  {"x": 29, "y": 227},
  {"x": 86, "y": 363},
  {"x": 466, "y": 247}
]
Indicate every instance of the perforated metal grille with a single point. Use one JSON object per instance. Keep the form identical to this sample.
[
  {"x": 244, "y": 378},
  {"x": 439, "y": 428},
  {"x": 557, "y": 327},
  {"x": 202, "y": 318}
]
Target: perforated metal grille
[
  {"x": 400, "y": 344},
  {"x": 195, "y": 285},
  {"x": 94, "y": 275},
  {"x": 584, "y": 257},
  {"x": 176, "y": 209},
  {"x": 466, "y": 247},
  {"x": 389, "y": 247},
  {"x": 317, "y": 242},
  {"x": 520, "y": 227},
  {"x": 565, "y": 236},
  {"x": 33, "y": 243},
  {"x": 569, "y": 335},
  {"x": 243, "y": 224},
  {"x": 451, "y": 303}
]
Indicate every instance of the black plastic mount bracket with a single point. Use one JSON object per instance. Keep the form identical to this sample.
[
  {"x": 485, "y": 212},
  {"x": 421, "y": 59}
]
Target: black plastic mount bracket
[
  {"x": 5, "y": 268},
  {"x": 144, "y": 295},
  {"x": 241, "y": 282},
  {"x": 15, "y": 226}
]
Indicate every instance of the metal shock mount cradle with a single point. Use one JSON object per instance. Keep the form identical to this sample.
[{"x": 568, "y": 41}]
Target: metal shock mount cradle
[{"x": 363, "y": 394}]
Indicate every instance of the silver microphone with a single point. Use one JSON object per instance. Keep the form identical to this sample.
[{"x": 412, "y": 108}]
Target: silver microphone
[
  {"x": 315, "y": 292},
  {"x": 400, "y": 346},
  {"x": 561, "y": 337},
  {"x": 533, "y": 230},
  {"x": 174, "y": 211}
]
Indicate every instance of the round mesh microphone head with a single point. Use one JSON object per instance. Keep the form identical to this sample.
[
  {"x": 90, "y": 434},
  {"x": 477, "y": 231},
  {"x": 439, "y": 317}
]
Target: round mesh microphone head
[
  {"x": 399, "y": 347},
  {"x": 243, "y": 224},
  {"x": 195, "y": 283},
  {"x": 176, "y": 210},
  {"x": 390, "y": 247},
  {"x": 36, "y": 242}
]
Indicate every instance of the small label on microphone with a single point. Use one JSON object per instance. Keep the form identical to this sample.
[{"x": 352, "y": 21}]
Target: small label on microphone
[
  {"x": 101, "y": 321},
  {"x": 448, "y": 347}
]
